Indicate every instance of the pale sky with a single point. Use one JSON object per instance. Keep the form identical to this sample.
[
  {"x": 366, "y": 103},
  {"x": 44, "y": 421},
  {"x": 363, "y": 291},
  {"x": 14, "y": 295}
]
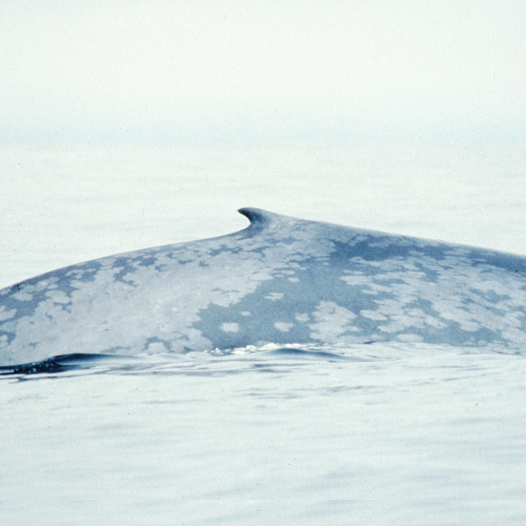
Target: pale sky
[{"x": 258, "y": 72}]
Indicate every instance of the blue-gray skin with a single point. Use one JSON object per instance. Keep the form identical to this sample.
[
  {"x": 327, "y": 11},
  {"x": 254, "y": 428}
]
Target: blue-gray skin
[{"x": 280, "y": 280}]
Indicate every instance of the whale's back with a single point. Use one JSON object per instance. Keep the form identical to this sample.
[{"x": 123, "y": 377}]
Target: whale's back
[{"x": 280, "y": 280}]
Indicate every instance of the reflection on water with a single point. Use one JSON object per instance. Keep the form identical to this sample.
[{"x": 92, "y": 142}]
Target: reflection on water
[
  {"x": 308, "y": 435},
  {"x": 182, "y": 363}
]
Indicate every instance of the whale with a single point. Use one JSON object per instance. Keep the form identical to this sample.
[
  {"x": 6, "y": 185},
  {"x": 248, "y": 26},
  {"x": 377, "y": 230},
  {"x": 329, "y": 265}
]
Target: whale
[{"x": 279, "y": 281}]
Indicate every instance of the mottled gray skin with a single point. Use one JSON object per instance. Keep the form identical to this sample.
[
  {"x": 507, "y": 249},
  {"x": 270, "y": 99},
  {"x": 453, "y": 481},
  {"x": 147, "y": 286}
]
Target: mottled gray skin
[{"x": 280, "y": 280}]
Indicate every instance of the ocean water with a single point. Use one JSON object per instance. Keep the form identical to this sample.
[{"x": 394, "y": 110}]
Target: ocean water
[{"x": 366, "y": 434}]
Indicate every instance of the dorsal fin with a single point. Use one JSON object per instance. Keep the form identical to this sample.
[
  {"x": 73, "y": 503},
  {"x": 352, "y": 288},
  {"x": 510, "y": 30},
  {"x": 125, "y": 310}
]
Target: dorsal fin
[{"x": 259, "y": 219}]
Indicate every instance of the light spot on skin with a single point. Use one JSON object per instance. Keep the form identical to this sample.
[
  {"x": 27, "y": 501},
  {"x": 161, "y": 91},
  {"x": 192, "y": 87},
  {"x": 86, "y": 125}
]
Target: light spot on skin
[
  {"x": 304, "y": 318},
  {"x": 283, "y": 327},
  {"x": 274, "y": 296},
  {"x": 58, "y": 296},
  {"x": 230, "y": 327},
  {"x": 156, "y": 348},
  {"x": 410, "y": 338},
  {"x": 294, "y": 280},
  {"x": 332, "y": 322},
  {"x": 6, "y": 314},
  {"x": 245, "y": 313},
  {"x": 23, "y": 296},
  {"x": 372, "y": 315}
]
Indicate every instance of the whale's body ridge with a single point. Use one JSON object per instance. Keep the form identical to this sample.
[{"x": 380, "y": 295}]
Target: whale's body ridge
[{"x": 280, "y": 280}]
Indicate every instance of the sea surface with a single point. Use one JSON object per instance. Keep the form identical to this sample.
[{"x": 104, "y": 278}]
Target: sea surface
[{"x": 379, "y": 434}]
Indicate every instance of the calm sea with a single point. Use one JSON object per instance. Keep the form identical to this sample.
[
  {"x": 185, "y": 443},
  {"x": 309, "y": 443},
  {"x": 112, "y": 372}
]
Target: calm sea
[{"x": 394, "y": 434}]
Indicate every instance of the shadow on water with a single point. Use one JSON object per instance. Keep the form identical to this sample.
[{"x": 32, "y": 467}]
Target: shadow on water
[
  {"x": 270, "y": 358},
  {"x": 191, "y": 363},
  {"x": 62, "y": 363},
  {"x": 293, "y": 352}
]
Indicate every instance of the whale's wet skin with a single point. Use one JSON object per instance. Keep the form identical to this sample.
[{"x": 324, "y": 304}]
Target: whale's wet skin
[{"x": 279, "y": 281}]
